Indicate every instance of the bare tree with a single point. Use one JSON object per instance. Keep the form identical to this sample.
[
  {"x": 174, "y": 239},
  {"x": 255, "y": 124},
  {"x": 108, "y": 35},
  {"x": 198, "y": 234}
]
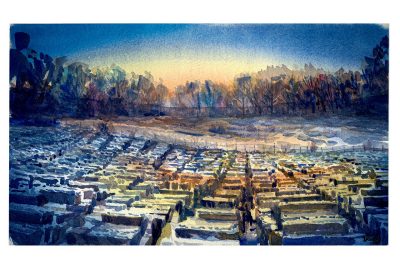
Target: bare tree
[
  {"x": 242, "y": 92},
  {"x": 256, "y": 97},
  {"x": 272, "y": 91}
]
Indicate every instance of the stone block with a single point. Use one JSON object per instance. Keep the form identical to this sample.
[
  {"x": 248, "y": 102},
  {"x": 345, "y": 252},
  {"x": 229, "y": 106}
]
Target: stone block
[
  {"x": 24, "y": 197},
  {"x": 61, "y": 195},
  {"x": 30, "y": 214},
  {"x": 316, "y": 225},
  {"x": 350, "y": 239},
  {"x": 376, "y": 201},
  {"x": 26, "y": 234}
]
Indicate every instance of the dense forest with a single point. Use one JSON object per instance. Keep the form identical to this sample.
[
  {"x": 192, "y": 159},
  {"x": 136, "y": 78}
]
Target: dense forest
[{"x": 55, "y": 87}]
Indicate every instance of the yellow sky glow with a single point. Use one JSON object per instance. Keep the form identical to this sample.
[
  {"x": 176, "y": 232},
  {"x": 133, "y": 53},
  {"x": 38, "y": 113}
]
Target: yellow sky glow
[
  {"x": 178, "y": 66},
  {"x": 178, "y": 71}
]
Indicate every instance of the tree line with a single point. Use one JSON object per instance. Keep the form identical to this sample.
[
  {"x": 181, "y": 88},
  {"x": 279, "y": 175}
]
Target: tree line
[{"x": 51, "y": 86}]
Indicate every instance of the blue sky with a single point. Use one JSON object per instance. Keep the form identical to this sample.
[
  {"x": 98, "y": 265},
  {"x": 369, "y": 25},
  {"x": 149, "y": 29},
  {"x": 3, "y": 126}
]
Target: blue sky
[{"x": 210, "y": 47}]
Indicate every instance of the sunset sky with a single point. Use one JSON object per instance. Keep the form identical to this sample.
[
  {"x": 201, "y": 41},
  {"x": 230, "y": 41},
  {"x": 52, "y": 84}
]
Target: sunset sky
[{"x": 180, "y": 53}]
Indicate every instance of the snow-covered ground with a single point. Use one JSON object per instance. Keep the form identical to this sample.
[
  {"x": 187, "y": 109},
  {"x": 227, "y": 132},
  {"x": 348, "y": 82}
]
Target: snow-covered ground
[{"x": 258, "y": 133}]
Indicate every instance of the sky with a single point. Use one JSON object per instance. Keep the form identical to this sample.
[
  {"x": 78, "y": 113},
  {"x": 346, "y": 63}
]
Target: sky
[{"x": 177, "y": 53}]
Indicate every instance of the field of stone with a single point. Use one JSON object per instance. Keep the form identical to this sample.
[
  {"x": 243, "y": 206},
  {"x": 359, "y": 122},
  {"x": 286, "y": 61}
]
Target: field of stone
[{"x": 76, "y": 185}]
